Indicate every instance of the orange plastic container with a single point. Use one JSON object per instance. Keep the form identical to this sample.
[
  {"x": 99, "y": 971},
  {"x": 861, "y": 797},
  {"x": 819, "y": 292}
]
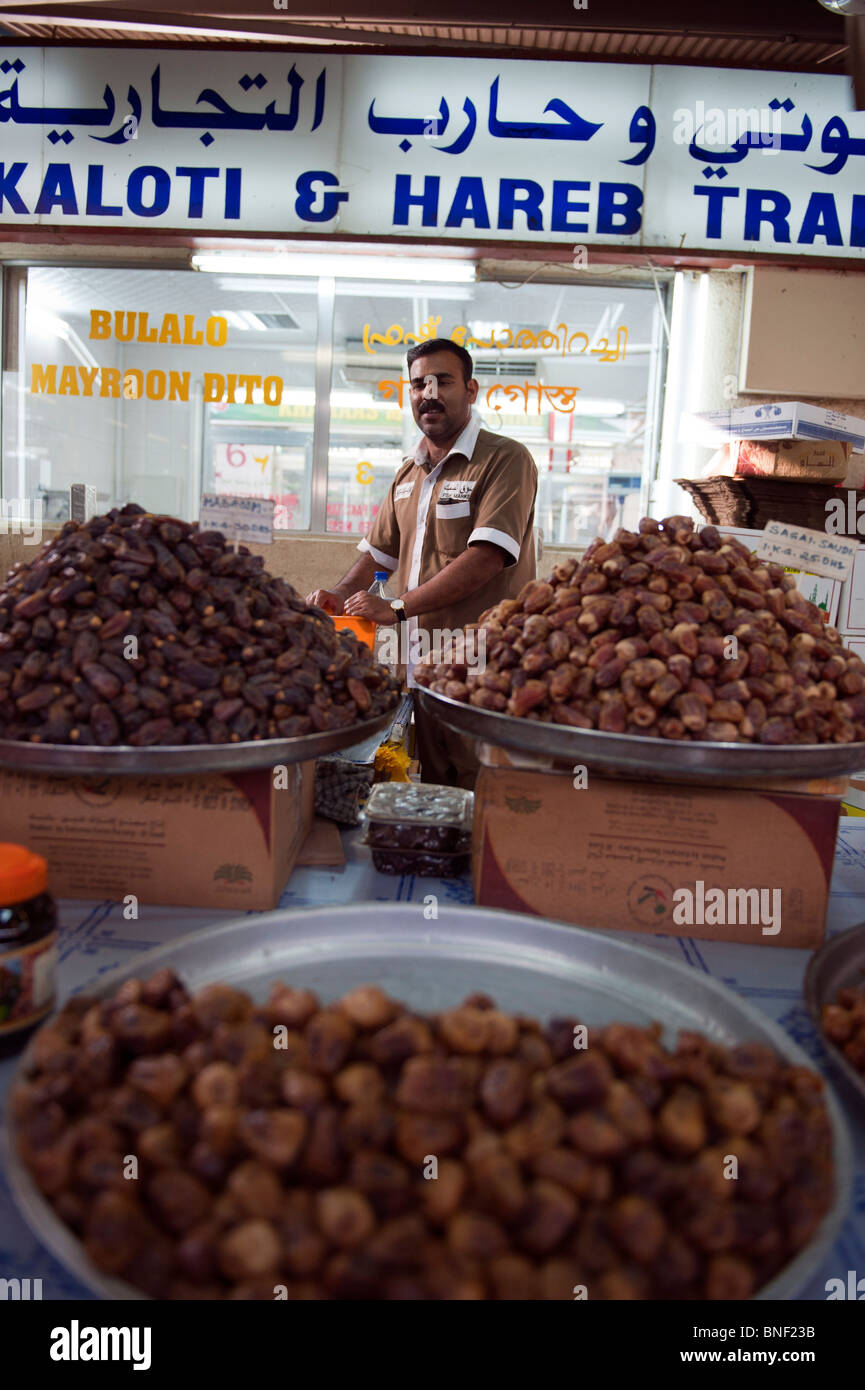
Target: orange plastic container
[{"x": 363, "y": 628}]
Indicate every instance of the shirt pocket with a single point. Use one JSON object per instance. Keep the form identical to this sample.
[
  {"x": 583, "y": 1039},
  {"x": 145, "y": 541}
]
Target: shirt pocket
[
  {"x": 452, "y": 511},
  {"x": 453, "y": 526}
]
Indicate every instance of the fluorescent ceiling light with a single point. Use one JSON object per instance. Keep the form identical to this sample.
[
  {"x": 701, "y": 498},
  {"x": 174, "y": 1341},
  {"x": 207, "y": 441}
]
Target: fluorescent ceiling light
[
  {"x": 599, "y": 408},
  {"x": 342, "y": 267},
  {"x": 233, "y": 318},
  {"x": 44, "y": 322},
  {"x": 244, "y": 319}
]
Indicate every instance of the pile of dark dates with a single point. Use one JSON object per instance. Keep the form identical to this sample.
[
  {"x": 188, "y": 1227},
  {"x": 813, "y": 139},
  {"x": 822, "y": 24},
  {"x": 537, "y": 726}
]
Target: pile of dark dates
[
  {"x": 143, "y": 630},
  {"x": 670, "y": 632},
  {"x": 360, "y": 1150}
]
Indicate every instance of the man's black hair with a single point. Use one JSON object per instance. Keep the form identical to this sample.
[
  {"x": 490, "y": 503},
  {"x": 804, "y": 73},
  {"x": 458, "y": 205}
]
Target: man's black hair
[{"x": 443, "y": 345}]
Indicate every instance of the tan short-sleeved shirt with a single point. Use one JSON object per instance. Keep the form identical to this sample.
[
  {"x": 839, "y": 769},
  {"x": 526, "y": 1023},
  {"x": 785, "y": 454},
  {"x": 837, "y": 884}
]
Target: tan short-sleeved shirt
[{"x": 484, "y": 490}]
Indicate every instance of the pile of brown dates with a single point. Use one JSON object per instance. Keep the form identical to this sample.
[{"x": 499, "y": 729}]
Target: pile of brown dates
[
  {"x": 668, "y": 632},
  {"x": 357, "y": 1149},
  {"x": 144, "y": 630}
]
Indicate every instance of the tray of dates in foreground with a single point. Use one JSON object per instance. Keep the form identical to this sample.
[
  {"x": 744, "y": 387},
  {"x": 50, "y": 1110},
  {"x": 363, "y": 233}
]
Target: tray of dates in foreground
[
  {"x": 528, "y": 966},
  {"x": 655, "y": 757},
  {"x": 68, "y": 760},
  {"x": 840, "y": 964}
]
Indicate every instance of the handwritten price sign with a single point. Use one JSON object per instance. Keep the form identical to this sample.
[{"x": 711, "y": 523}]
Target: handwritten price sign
[
  {"x": 815, "y": 552},
  {"x": 248, "y": 520}
]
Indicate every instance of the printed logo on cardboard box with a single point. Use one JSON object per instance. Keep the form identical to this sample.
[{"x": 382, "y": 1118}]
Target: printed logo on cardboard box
[
  {"x": 234, "y": 873},
  {"x": 522, "y": 806}
]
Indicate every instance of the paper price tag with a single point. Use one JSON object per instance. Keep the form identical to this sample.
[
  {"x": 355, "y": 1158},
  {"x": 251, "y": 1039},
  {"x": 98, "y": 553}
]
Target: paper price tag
[
  {"x": 815, "y": 552},
  {"x": 248, "y": 520}
]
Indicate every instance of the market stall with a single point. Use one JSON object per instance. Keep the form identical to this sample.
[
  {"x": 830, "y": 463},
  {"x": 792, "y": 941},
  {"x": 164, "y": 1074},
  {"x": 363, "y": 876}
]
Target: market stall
[
  {"x": 283, "y": 1015},
  {"x": 292, "y": 1078}
]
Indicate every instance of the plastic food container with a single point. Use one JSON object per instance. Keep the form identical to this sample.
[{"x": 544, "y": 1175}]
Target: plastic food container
[
  {"x": 422, "y": 862},
  {"x": 528, "y": 966},
  {"x": 363, "y": 628},
  {"x": 419, "y": 816}
]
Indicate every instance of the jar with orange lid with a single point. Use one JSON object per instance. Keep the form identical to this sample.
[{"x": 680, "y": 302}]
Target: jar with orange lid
[{"x": 28, "y": 946}]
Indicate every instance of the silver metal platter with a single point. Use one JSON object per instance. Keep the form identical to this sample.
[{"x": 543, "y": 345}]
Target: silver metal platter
[
  {"x": 638, "y": 754},
  {"x": 837, "y": 965},
  {"x": 65, "y": 760},
  {"x": 528, "y": 965}
]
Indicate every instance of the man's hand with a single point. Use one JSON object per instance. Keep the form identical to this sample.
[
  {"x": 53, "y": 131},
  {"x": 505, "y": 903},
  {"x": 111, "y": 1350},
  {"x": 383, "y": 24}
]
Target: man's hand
[
  {"x": 364, "y": 605},
  {"x": 326, "y": 599}
]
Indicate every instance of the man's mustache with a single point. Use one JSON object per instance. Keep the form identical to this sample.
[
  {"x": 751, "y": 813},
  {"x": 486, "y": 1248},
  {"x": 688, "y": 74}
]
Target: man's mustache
[{"x": 428, "y": 406}]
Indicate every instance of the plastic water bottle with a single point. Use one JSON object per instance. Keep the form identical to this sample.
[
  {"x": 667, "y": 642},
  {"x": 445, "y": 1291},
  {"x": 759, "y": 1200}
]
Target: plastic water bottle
[{"x": 379, "y": 588}]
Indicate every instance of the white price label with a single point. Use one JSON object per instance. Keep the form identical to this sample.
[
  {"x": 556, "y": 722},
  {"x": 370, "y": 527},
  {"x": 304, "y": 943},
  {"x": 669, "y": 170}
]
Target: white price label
[
  {"x": 245, "y": 519},
  {"x": 815, "y": 552}
]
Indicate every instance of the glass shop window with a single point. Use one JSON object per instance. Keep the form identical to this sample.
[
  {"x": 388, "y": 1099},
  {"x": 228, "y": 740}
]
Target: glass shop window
[
  {"x": 571, "y": 371},
  {"x": 155, "y": 385}
]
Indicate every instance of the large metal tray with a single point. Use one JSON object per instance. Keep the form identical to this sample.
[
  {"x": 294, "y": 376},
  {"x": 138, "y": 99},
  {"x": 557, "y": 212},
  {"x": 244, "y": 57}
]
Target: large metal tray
[
  {"x": 65, "y": 760},
  {"x": 636, "y": 753},
  {"x": 528, "y": 965},
  {"x": 841, "y": 962}
]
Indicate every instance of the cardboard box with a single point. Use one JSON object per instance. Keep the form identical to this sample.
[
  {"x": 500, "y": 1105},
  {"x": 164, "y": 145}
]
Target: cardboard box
[
  {"x": 826, "y": 462},
  {"x": 774, "y": 420},
  {"x": 821, "y": 589},
  {"x": 223, "y": 841},
  {"x": 620, "y": 854}
]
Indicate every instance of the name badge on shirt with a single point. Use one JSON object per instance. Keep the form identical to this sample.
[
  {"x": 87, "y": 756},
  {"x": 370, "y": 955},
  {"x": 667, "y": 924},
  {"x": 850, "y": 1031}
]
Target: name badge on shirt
[
  {"x": 402, "y": 491},
  {"x": 456, "y": 490}
]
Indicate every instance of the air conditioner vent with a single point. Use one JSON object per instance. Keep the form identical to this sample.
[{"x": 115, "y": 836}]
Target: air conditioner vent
[
  {"x": 502, "y": 366},
  {"x": 283, "y": 323}
]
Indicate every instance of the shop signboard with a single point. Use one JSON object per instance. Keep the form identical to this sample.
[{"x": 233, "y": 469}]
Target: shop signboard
[{"x": 586, "y": 154}]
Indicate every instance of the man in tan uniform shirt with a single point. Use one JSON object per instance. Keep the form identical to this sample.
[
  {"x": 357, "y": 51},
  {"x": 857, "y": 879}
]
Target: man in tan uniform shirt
[{"x": 455, "y": 530}]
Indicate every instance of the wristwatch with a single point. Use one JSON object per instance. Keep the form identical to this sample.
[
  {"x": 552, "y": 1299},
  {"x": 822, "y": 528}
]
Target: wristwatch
[{"x": 398, "y": 606}]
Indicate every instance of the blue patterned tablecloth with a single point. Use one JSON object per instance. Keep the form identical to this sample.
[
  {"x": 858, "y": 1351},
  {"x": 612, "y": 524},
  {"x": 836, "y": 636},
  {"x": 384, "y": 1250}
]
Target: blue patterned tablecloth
[{"x": 95, "y": 937}]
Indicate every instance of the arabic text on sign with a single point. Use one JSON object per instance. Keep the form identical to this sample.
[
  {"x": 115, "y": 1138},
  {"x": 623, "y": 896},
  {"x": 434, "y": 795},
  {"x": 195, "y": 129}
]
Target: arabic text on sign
[
  {"x": 560, "y": 339},
  {"x": 223, "y": 116},
  {"x": 713, "y": 127}
]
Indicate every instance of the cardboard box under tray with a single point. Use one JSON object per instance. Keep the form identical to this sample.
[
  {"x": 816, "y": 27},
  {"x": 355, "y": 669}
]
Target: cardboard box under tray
[
  {"x": 218, "y": 840},
  {"x": 626, "y": 854}
]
